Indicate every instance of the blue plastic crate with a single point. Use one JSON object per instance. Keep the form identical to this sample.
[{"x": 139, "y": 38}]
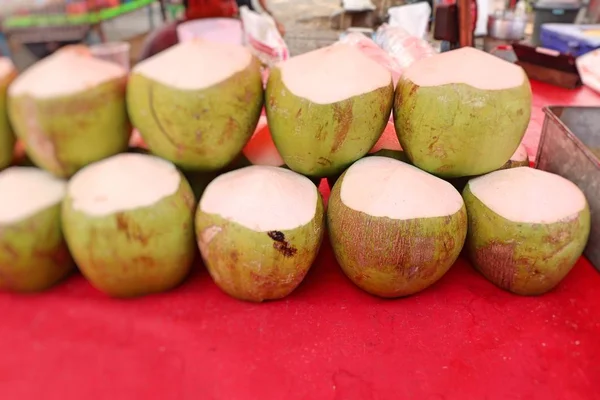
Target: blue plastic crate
[{"x": 570, "y": 38}]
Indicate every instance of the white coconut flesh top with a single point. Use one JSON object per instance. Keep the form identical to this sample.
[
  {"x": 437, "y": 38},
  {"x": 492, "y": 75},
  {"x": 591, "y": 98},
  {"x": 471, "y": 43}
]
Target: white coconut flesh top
[
  {"x": 466, "y": 65},
  {"x": 332, "y": 74},
  {"x": 384, "y": 187},
  {"x": 66, "y": 72},
  {"x": 122, "y": 183},
  {"x": 262, "y": 198},
  {"x": 6, "y": 67},
  {"x": 520, "y": 154},
  {"x": 528, "y": 195},
  {"x": 27, "y": 191},
  {"x": 195, "y": 65}
]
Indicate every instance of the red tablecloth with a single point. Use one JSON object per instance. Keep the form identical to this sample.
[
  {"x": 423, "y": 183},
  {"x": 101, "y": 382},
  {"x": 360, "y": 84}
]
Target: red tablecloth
[{"x": 461, "y": 339}]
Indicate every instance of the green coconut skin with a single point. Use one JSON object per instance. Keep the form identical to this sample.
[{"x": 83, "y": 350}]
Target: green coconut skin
[
  {"x": 7, "y": 138},
  {"x": 321, "y": 140},
  {"x": 64, "y": 134},
  {"x": 258, "y": 266},
  {"x": 523, "y": 258},
  {"x": 136, "y": 252},
  {"x": 393, "y": 258},
  {"x": 457, "y": 130},
  {"x": 33, "y": 253},
  {"x": 200, "y": 130}
]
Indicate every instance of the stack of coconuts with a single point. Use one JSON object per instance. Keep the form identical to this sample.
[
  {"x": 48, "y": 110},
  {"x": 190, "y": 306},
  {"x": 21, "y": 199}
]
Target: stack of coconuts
[{"x": 132, "y": 221}]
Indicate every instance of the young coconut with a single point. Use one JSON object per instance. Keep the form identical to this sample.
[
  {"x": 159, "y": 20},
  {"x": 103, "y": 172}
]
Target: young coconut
[
  {"x": 395, "y": 230},
  {"x": 33, "y": 252},
  {"x": 7, "y": 139},
  {"x": 462, "y": 112},
  {"x": 259, "y": 230},
  {"x": 69, "y": 110},
  {"x": 128, "y": 221},
  {"x": 527, "y": 228},
  {"x": 197, "y": 103},
  {"x": 327, "y": 108}
]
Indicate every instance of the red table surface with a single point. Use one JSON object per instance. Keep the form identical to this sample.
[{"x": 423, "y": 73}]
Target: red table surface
[{"x": 463, "y": 338}]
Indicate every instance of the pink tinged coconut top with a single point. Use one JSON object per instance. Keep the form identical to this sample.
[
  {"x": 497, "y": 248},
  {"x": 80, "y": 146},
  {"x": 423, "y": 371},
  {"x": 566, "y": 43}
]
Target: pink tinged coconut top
[
  {"x": 66, "y": 72},
  {"x": 6, "y": 67},
  {"x": 384, "y": 187},
  {"x": 262, "y": 198},
  {"x": 195, "y": 65},
  {"x": 466, "y": 65},
  {"x": 26, "y": 191},
  {"x": 122, "y": 183},
  {"x": 520, "y": 154},
  {"x": 528, "y": 195},
  {"x": 332, "y": 74}
]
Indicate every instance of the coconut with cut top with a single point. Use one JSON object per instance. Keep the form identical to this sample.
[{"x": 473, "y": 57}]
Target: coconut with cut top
[
  {"x": 395, "y": 230},
  {"x": 69, "y": 110},
  {"x": 520, "y": 158},
  {"x": 7, "y": 138},
  {"x": 259, "y": 230},
  {"x": 462, "y": 112},
  {"x": 527, "y": 228},
  {"x": 197, "y": 103},
  {"x": 33, "y": 251},
  {"x": 128, "y": 221},
  {"x": 327, "y": 108}
]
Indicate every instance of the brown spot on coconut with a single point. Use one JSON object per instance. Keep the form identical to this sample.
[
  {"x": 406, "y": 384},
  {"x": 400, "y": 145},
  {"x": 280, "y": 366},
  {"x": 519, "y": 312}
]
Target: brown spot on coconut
[
  {"x": 128, "y": 221},
  {"x": 259, "y": 230},
  {"x": 323, "y": 117},
  {"x": 395, "y": 230},
  {"x": 69, "y": 110},
  {"x": 197, "y": 103},
  {"x": 33, "y": 252},
  {"x": 527, "y": 228},
  {"x": 462, "y": 112},
  {"x": 7, "y": 138}
]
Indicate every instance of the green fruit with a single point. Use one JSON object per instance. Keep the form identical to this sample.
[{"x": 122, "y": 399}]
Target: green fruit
[
  {"x": 33, "y": 252},
  {"x": 128, "y": 221},
  {"x": 259, "y": 230},
  {"x": 69, "y": 110},
  {"x": 7, "y": 138},
  {"x": 197, "y": 103},
  {"x": 395, "y": 230},
  {"x": 527, "y": 228},
  {"x": 321, "y": 122},
  {"x": 461, "y": 113}
]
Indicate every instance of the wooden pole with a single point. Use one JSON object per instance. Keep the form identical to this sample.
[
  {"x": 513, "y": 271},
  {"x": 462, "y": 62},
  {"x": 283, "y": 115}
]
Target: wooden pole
[{"x": 465, "y": 31}]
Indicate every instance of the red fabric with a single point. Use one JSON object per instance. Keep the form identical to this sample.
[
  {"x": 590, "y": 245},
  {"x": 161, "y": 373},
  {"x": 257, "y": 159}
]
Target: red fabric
[
  {"x": 210, "y": 9},
  {"x": 461, "y": 339}
]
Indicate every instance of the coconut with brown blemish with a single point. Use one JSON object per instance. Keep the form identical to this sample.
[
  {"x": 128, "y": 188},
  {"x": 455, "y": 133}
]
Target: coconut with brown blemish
[
  {"x": 197, "y": 103},
  {"x": 462, "y": 112},
  {"x": 527, "y": 228},
  {"x": 7, "y": 138},
  {"x": 327, "y": 108},
  {"x": 395, "y": 230},
  {"x": 69, "y": 110},
  {"x": 128, "y": 221},
  {"x": 259, "y": 230},
  {"x": 33, "y": 251}
]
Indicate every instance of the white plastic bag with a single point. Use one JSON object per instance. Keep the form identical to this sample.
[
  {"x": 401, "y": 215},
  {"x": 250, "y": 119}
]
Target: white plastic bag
[
  {"x": 413, "y": 18},
  {"x": 263, "y": 38},
  {"x": 588, "y": 66},
  {"x": 402, "y": 46}
]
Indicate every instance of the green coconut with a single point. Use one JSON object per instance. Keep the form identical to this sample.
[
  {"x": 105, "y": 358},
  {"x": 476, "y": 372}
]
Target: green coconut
[
  {"x": 394, "y": 229},
  {"x": 33, "y": 251},
  {"x": 462, "y": 112},
  {"x": 197, "y": 103},
  {"x": 327, "y": 108},
  {"x": 128, "y": 221},
  {"x": 69, "y": 110},
  {"x": 527, "y": 228},
  {"x": 259, "y": 230},
  {"x": 7, "y": 138}
]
